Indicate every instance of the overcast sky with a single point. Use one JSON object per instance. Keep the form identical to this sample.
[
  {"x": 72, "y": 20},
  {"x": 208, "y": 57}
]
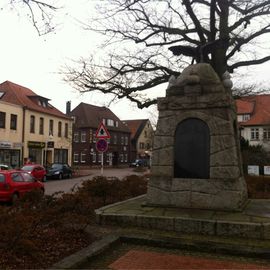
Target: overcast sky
[{"x": 33, "y": 61}]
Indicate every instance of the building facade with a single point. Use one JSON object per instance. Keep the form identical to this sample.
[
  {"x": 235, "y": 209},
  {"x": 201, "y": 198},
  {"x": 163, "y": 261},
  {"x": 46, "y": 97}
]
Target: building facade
[
  {"x": 87, "y": 119},
  {"x": 142, "y": 135},
  {"x": 253, "y": 116},
  {"x": 34, "y": 130}
]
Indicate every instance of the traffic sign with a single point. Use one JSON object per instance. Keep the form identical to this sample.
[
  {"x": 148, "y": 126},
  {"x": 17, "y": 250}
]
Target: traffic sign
[
  {"x": 102, "y": 145},
  {"x": 102, "y": 132}
]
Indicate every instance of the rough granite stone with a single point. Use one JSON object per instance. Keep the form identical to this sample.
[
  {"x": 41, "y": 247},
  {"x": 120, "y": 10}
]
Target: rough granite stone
[{"x": 198, "y": 93}]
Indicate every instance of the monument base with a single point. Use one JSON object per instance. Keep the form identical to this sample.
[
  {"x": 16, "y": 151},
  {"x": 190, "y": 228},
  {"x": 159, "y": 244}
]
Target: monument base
[{"x": 210, "y": 194}]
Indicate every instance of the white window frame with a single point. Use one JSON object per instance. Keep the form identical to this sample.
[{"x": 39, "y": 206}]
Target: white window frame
[
  {"x": 83, "y": 157},
  {"x": 76, "y": 136},
  {"x": 76, "y": 157},
  {"x": 266, "y": 134},
  {"x": 254, "y": 134},
  {"x": 94, "y": 157},
  {"x": 110, "y": 123},
  {"x": 121, "y": 158},
  {"x": 126, "y": 157},
  {"x": 126, "y": 140},
  {"x": 83, "y": 136}
]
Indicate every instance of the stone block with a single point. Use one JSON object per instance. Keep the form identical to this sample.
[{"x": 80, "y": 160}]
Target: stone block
[
  {"x": 237, "y": 229},
  {"x": 266, "y": 231},
  {"x": 151, "y": 222},
  {"x": 226, "y": 157},
  {"x": 225, "y": 172},
  {"x": 163, "y": 142},
  {"x": 221, "y": 143},
  {"x": 162, "y": 170},
  {"x": 204, "y": 227}
]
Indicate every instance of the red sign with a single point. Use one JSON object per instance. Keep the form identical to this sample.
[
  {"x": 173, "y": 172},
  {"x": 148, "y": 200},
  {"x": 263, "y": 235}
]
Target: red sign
[
  {"x": 102, "y": 145},
  {"x": 102, "y": 132}
]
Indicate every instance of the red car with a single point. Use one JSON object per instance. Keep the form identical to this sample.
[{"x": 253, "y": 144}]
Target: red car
[
  {"x": 14, "y": 184},
  {"x": 36, "y": 170}
]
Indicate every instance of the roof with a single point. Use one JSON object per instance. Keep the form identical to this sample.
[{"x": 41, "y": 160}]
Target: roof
[
  {"x": 136, "y": 126},
  {"x": 16, "y": 94},
  {"x": 260, "y": 114},
  {"x": 88, "y": 115},
  {"x": 244, "y": 106}
]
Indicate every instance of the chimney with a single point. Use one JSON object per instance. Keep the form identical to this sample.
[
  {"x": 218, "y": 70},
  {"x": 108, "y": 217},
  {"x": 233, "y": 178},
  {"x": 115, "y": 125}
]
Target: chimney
[{"x": 68, "y": 107}]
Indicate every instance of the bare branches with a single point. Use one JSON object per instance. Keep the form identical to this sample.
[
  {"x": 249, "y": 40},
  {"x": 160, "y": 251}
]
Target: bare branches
[
  {"x": 223, "y": 33},
  {"x": 40, "y": 13}
]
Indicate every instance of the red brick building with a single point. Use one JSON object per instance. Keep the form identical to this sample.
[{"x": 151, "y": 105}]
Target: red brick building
[{"x": 87, "y": 119}]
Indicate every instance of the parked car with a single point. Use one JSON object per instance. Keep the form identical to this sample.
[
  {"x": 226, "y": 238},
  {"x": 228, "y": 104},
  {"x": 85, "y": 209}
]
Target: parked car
[
  {"x": 14, "y": 184},
  {"x": 4, "y": 167},
  {"x": 36, "y": 170},
  {"x": 59, "y": 171},
  {"x": 139, "y": 163}
]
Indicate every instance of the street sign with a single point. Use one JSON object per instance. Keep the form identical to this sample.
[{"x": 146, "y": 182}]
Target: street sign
[
  {"x": 102, "y": 132},
  {"x": 102, "y": 145}
]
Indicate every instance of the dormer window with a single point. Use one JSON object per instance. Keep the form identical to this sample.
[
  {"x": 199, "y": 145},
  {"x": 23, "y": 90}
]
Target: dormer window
[
  {"x": 110, "y": 122},
  {"x": 246, "y": 117},
  {"x": 1, "y": 94}
]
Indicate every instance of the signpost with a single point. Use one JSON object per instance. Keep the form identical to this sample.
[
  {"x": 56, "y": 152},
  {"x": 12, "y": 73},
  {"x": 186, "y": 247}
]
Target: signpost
[{"x": 101, "y": 144}]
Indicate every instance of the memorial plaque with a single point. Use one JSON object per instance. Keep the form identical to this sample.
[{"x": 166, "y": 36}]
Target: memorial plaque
[{"x": 192, "y": 149}]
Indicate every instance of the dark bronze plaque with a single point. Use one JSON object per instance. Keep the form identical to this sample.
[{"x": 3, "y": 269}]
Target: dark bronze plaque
[{"x": 192, "y": 149}]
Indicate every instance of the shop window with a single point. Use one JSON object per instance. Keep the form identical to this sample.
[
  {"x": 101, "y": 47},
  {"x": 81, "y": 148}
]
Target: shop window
[
  {"x": 41, "y": 125},
  {"x": 13, "y": 121},
  {"x": 32, "y": 124},
  {"x": 60, "y": 155},
  {"x": 2, "y": 119}
]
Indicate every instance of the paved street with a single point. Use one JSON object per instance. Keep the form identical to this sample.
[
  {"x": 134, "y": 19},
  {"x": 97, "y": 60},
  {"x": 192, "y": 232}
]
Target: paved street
[{"x": 66, "y": 185}]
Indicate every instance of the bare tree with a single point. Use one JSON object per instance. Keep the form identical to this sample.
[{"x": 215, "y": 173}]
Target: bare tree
[
  {"x": 147, "y": 41},
  {"x": 40, "y": 13}
]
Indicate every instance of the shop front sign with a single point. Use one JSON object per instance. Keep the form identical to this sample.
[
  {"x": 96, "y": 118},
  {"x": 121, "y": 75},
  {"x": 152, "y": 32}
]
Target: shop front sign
[
  {"x": 32, "y": 144},
  {"x": 5, "y": 145}
]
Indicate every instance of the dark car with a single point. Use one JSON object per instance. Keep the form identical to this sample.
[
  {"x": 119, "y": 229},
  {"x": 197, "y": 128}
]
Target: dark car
[
  {"x": 14, "y": 184},
  {"x": 36, "y": 170},
  {"x": 59, "y": 171},
  {"x": 139, "y": 163}
]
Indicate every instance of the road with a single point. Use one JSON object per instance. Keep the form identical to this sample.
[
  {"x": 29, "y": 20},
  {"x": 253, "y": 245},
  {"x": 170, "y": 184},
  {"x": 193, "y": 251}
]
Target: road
[{"x": 66, "y": 185}]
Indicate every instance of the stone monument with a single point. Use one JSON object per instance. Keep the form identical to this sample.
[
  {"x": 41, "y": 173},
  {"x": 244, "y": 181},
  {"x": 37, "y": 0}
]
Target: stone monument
[{"x": 196, "y": 160}]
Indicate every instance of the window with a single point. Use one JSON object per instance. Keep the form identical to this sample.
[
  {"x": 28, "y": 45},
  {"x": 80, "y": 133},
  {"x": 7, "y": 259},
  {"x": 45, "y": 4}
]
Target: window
[
  {"x": 94, "y": 157},
  {"x": 2, "y": 178},
  {"x": 83, "y": 156},
  {"x": 32, "y": 124},
  {"x": 110, "y": 122},
  {"x": 66, "y": 130},
  {"x": 83, "y": 136},
  {"x": 41, "y": 125},
  {"x": 116, "y": 123},
  {"x": 2, "y": 119},
  {"x": 13, "y": 121},
  {"x": 121, "y": 158},
  {"x": 145, "y": 134},
  {"x": 115, "y": 139},
  {"x": 254, "y": 134},
  {"x": 266, "y": 133},
  {"x": 59, "y": 129},
  {"x": 16, "y": 177},
  {"x": 246, "y": 117},
  {"x": 126, "y": 157},
  {"x": 1, "y": 94},
  {"x": 76, "y": 136},
  {"x": 99, "y": 157},
  {"x": 122, "y": 139},
  {"x": 76, "y": 157},
  {"x": 90, "y": 135},
  {"x": 51, "y": 128},
  {"x": 126, "y": 140},
  {"x": 141, "y": 145}
]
